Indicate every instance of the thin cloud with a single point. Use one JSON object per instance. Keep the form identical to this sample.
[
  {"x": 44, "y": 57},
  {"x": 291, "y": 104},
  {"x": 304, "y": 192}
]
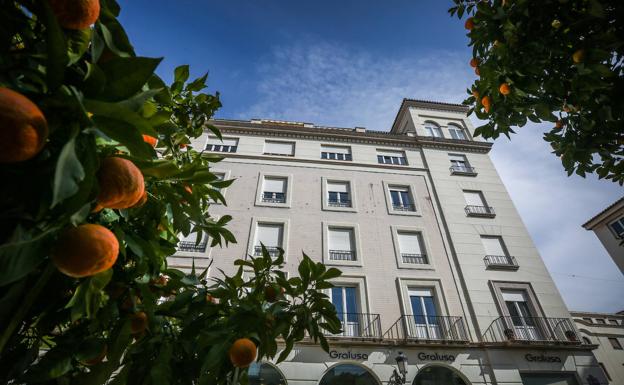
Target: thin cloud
[{"x": 329, "y": 84}]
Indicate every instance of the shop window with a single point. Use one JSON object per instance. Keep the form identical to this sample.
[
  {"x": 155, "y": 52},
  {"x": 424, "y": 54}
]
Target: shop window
[
  {"x": 348, "y": 374},
  {"x": 263, "y": 373},
  {"x": 436, "y": 374}
]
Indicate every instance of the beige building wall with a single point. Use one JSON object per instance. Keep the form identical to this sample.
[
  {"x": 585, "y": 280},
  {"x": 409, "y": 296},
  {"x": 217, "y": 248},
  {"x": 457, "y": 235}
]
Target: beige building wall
[{"x": 603, "y": 226}]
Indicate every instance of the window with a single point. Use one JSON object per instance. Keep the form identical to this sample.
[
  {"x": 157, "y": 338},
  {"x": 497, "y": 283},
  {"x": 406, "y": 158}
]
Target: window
[
  {"x": 496, "y": 254},
  {"x": 264, "y": 373},
  {"x": 227, "y": 145},
  {"x": 391, "y": 157},
  {"x": 457, "y": 132},
  {"x": 274, "y": 190},
  {"x": 613, "y": 322},
  {"x": 476, "y": 206},
  {"x": 344, "y": 299},
  {"x": 271, "y": 235},
  {"x": 338, "y": 194},
  {"x": 189, "y": 243},
  {"x": 586, "y": 341},
  {"x": 433, "y": 129},
  {"x": 341, "y": 244},
  {"x": 279, "y": 148},
  {"x": 600, "y": 321},
  {"x": 618, "y": 227},
  {"x": 335, "y": 152},
  {"x": 588, "y": 320},
  {"x": 425, "y": 323},
  {"x": 348, "y": 374},
  {"x": 520, "y": 317},
  {"x": 460, "y": 165},
  {"x": 604, "y": 369},
  {"x": 401, "y": 198},
  {"x": 411, "y": 247},
  {"x": 615, "y": 343}
]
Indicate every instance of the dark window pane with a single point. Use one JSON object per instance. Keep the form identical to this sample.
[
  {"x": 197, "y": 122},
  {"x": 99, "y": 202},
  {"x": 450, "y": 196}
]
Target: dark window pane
[{"x": 396, "y": 200}]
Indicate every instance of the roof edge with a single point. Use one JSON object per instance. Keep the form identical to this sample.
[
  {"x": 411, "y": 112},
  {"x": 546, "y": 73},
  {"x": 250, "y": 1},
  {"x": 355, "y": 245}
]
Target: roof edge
[{"x": 591, "y": 223}]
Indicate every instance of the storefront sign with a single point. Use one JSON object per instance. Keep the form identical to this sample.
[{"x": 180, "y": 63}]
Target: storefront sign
[
  {"x": 541, "y": 358},
  {"x": 348, "y": 355},
  {"x": 435, "y": 357}
]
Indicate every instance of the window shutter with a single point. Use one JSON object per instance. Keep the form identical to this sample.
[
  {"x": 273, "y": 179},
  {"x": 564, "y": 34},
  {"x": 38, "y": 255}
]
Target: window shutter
[
  {"x": 457, "y": 158},
  {"x": 225, "y": 142},
  {"x": 336, "y": 149},
  {"x": 339, "y": 187},
  {"x": 269, "y": 234},
  {"x": 514, "y": 296},
  {"x": 409, "y": 243},
  {"x": 473, "y": 198},
  {"x": 420, "y": 292},
  {"x": 341, "y": 239},
  {"x": 282, "y": 148},
  {"x": 493, "y": 245},
  {"x": 277, "y": 185},
  {"x": 399, "y": 154}
]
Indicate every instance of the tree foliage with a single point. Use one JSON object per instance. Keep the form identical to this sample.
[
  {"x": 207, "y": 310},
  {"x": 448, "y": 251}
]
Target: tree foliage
[
  {"x": 563, "y": 61},
  {"x": 141, "y": 321}
]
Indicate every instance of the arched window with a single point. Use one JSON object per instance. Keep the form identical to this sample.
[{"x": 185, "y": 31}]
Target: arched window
[
  {"x": 433, "y": 130},
  {"x": 263, "y": 373},
  {"x": 348, "y": 374},
  {"x": 457, "y": 132},
  {"x": 437, "y": 374},
  {"x": 586, "y": 341}
]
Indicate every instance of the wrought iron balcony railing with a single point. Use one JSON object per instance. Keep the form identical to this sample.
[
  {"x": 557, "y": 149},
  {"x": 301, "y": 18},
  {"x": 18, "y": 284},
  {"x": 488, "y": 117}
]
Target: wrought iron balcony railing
[
  {"x": 360, "y": 325},
  {"x": 342, "y": 255},
  {"x": 337, "y": 203},
  {"x": 273, "y": 197},
  {"x": 192, "y": 246},
  {"x": 403, "y": 207},
  {"x": 501, "y": 262},
  {"x": 272, "y": 250},
  {"x": 536, "y": 330},
  {"x": 463, "y": 170},
  {"x": 480, "y": 211},
  {"x": 417, "y": 259},
  {"x": 428, "y": 329}
]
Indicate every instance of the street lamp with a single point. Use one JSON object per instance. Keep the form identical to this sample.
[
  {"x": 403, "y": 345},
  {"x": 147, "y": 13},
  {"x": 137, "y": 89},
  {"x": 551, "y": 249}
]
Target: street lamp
[{"x": 401, "y": 361}]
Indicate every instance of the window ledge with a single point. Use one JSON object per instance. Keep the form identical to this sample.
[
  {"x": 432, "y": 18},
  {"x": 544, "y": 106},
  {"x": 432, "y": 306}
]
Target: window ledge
[
  {"x": 270, "y": 204},
  {"x": 464, "y": 173}
]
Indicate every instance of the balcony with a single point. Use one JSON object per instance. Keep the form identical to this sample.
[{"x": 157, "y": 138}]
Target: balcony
[
  {"x": 359, "y": 325},
  {"x": 463, "y": 170},
  {"x": 273, "y": 197},
  {"x": 403, "y": 207},
  {"x": 192, "y": 247},
  {"x": 341, "y": 255},
  {"x": 337, "y": 203},
  {"x": 504, "y": 262},
  {"x": 414, "y": 259},
  {"x": 272, "y": 250},
  {"x": 532, "y": 330},
  {"x": 480, "y": 211},
  {"x": 428, "y": 329}
]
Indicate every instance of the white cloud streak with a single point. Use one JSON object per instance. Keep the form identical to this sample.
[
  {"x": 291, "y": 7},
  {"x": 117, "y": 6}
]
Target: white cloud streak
[{"x": 328, "y": 84}]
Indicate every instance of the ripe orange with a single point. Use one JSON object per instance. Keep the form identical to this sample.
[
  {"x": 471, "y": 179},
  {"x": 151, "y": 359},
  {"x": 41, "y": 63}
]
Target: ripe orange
[
  {"x": 121, "y": 183},
  {"x": 504, "y": 89},
  {"x": 97, "y": 359},
  {"x": 23, "y": 128},
  {"x": 475, "y": 93},
  {"x": 469, "y": 25},
  {"x": 85, "y": 250},
  {"x": 142, "y": 200},
  {"x": 138, "y": 322},
  {"x": 150, "y": 140},
  {"x": 182, "y": 145},
  {"x": 242, "y": 352},
  {"x": 558, "y": 124},
  {"x": 578, "y": 56},
  {"x": 210, "y": 298},
  {"x": 270, "y": 294},
  {"x": 474, "y": 62},
  {"x": 75, "y": 14},
  {"x": 477, "y": 72},
  {"x": 486, "y": 103}
]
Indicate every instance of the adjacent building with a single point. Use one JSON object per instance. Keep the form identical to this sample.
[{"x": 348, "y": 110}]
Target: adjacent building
[
  {"x": 437, "y": 263},
  {"x": 608, "y": 225},
  {"x": 607, "y": 332}
]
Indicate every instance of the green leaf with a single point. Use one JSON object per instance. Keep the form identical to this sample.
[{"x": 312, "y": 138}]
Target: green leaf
[
  {"x": 181, "y": 73},
  {"x": 56, "y": 48},
  {"x": 78, "y": 43},
  {"x": 22, "y": 254},
  {"x": 197, "y": 84},
  {"x": 118, "y": 111},
  {"x": 126, "y": 76},
  {"x": 68, "y": 173}
]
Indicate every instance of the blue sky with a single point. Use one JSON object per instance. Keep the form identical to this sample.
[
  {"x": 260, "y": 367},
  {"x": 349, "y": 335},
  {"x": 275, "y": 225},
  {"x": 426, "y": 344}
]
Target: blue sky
[{"x": 350, "y": 63}]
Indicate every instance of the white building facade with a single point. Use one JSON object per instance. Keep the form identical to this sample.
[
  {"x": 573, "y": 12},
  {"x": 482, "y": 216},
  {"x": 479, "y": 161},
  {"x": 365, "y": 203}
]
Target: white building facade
[
  {"x": 608, "y": 225},
  {"x": 436, "y": 261}
]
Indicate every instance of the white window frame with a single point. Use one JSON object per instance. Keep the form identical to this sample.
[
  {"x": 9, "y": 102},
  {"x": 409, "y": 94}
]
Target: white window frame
[
  {"x": 294, "y": 146},
  {"x": 615, "y": 234},
  {"x": 359, "y": 257},
  {"x": 425, "y": 247},
  {"x": 359, "y": 282},
  {"x": 265, "y": 220},
  {"x": 533, "y": 303},
  {"x": 214, "y": 138},
  {"x": 352, "y": 194},
  {"x": 412, "y": 191},
  {"x": 226, "y": 176},
  {"x": 289, "y": 189},
  {"x": 468, "y": 169},
  {"x": 405, "y": 285},
  {"x": 456, "y": 127},
  {"x": 398, "y": 152},
  {"x": 429, "y": 131},
  {"x": 349, "y": 148}
]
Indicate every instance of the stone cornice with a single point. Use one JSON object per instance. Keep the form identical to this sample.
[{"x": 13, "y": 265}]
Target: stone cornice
[{"x": 427, "y": 105}]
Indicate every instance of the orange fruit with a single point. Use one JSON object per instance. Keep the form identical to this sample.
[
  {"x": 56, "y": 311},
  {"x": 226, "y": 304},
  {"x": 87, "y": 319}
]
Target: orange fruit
[
  {"x": 242, "y": 352},
  {"x": 477, "y": 72},
  {"x": 85, "y": 250},
  {"x": 138, "y": 322},
  {"x": 142, "y": 200},
  {"x": 578, "y": 56},
  {"x": 75, "y": 14},
  {"x": 504, "y": 89},
  {"x": 270, "y": 294},
  {"x": 469, "y": 25},
  {"x": 486, "y": 103},
  {"x": 97, "y": 359},
  {"x": 474, "y": 62},
  {"x": 23, "y": 128},
  {"x": 475, "y": 93},
  {"x": 121, "y": 183},
  {"x": 210, "y": 298},
  {"x": 150, "y": 140},
  {"x": 182, "y": 145},
  {"x": 558, "y": 124}
]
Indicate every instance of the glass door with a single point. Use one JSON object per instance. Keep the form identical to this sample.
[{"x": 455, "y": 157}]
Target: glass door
[
  {"x": 523, "y": 321},
  {"x": 425, "y": 322},
  {"x": 344, "y": 299}
]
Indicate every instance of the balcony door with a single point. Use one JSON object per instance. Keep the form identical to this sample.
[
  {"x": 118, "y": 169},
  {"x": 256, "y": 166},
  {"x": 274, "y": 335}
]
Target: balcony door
[
  {"x": 424, "y": 323},
  {"x": 344, "y": 299},
  {"x": 522, "y": 319}
]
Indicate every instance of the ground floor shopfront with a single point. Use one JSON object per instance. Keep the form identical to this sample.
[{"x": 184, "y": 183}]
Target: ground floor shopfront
[{"x": 374, "y": 364}]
